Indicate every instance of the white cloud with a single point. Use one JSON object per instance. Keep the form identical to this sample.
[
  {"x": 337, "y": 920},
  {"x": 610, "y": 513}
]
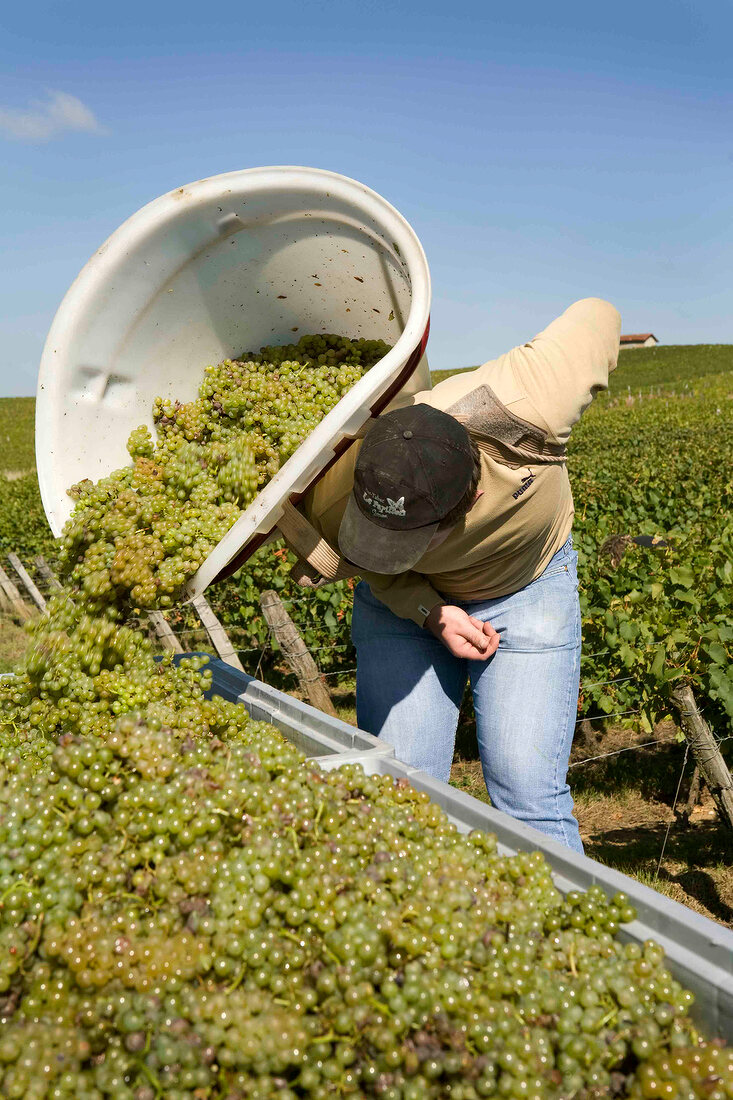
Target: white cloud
[{"x": 41, "y": 122}]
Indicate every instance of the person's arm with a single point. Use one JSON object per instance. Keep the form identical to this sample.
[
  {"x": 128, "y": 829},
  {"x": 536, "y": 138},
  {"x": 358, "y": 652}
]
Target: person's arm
[
  {"x": 564, "y": 367},
  {"x": 410, "y": 596},
  {"x": 552, "y": 379}
]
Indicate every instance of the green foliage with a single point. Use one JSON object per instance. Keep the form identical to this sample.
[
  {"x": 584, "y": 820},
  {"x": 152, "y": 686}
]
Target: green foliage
[
  {"x": 323, "y": 616},
  {"x": 23, "y": 525},
  {"x": 660, "y": 466},
  {"x": 17, "y": 434},
  {"x": 440, "y": 375}
]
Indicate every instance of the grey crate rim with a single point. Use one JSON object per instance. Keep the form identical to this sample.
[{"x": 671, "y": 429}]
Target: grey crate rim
[{"x": 699, "y": 951}]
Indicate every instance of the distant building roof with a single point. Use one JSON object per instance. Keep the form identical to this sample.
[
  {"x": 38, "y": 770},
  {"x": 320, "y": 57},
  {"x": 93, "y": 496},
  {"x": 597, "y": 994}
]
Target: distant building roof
[{"x": 635, "y": 337}]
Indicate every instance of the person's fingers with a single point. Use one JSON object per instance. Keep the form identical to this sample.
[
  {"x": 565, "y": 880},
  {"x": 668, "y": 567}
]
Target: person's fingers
[
  {"x": 468, "y": 637},
  {"x": 459, "y": 645},
  {"x": 485, "y": 627},
  {"x": 490, "y": 637},
  {"x": 474, "y": 654},
  {"x": 479, "y": 627},
  {"x": 474, "y": 635},
  {"x": 466, "y": 648}
]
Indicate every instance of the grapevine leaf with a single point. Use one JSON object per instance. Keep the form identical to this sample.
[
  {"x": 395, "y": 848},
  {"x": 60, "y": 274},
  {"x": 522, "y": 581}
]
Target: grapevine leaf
[
  {"x": 717, "y": 653},
  {"x": 658, "y": 663},
  {"x": 682, "y": 575}
]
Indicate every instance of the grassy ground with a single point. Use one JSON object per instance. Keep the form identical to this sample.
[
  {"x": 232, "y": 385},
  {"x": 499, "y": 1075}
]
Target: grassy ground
[
  {"x": 13, "y": 641},
  {"x": 668, "y": 365},
  {"x": 624, "y": 806}
]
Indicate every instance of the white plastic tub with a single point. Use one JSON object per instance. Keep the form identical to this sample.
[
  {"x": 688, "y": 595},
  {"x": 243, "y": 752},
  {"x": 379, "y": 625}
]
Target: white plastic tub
[{"x": 206, "y": 272}]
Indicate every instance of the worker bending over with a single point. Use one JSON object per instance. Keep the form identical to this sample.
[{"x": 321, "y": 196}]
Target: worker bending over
[{"x": 456, "y": 511}]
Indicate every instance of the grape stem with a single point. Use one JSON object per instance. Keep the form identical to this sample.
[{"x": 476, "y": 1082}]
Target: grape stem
[
  {"x": 12, "y": 886},
  {"x": 319, "y": 811},
  {"x": 292, "y": 936},
  {"x": 237, "y": 980},
  {"x": 571, "y": 960},
  {"x": 151, "y": 1078},
  {"x": 34, "y": 942}
]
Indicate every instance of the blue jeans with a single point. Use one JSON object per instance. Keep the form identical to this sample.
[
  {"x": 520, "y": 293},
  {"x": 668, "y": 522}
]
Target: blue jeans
[{"x": 409, "y": 689}]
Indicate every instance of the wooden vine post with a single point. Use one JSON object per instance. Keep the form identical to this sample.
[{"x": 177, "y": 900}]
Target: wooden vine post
[
  {"x": 693, "y": 796},
  {"x": 48, "y": 574},
  {"x": 30, "y": 587},
  {"x": 296, "y": 652},
  {"x": 706, "y": 752},
  {"x": 164, "y": 632},
  {"x": 12, "y": 597},
  {"x": 216, "y": 632},
  {"x": 6, "y": 608}
]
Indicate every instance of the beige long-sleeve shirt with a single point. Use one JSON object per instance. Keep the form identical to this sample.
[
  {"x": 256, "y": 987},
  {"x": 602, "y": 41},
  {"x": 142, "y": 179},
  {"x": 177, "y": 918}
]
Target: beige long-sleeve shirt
[{"x": 525, "y": 513}]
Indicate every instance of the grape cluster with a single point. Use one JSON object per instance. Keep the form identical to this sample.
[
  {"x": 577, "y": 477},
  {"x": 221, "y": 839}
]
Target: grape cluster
[
  {"x": 139, "y": 534},
  {"x": 82, "y": 671},
  {"x": 190, "y": 910}
]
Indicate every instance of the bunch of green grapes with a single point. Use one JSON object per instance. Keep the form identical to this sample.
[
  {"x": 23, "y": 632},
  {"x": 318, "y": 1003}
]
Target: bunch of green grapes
[
  {"x": 190, "y": 910},
  {"x": 82, "y": 672},
  {"x": 201, "y": 913},
  {"x": 139, "y": 534}
]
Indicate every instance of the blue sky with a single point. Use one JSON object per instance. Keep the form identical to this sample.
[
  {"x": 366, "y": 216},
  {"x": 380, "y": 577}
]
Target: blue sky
[{"x": 542, "y": 152}]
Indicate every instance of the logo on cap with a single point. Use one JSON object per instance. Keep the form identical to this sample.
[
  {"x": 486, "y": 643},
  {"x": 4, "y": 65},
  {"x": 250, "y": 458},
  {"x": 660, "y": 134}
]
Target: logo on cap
[{"x": 379, "y": 507}]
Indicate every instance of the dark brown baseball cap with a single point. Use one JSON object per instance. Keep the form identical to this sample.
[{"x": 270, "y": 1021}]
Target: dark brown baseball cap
[{"x": 414, "y": 466}]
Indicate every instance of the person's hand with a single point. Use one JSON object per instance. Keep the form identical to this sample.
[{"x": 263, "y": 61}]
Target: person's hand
[{"x": 460, "y": 633}]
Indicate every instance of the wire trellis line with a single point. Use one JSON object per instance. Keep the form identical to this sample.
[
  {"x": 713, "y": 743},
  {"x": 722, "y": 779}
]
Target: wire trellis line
[
  {"x": 255, "y": 649},
  {"x": 616, "y": 752},
  {"x": 600, "y": 683},
  {"x": 302, "y": 599},
  {"x": 674, "y": 807},
  {"x": 592, "y": 717}
]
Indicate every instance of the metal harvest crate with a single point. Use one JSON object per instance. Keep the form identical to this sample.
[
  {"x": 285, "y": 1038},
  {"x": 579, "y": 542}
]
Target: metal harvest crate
[
  {"x": 699, "y": 951},
  {"x": 316, "y": 734}
]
